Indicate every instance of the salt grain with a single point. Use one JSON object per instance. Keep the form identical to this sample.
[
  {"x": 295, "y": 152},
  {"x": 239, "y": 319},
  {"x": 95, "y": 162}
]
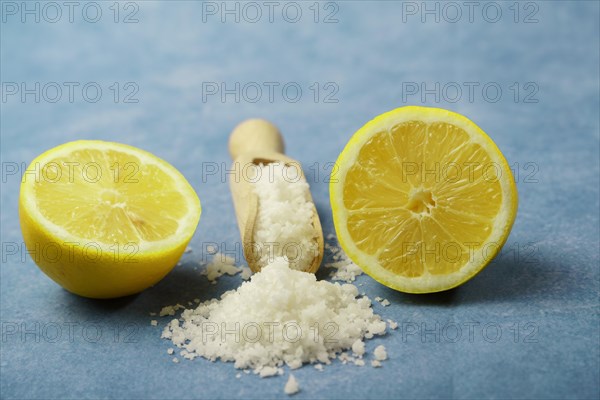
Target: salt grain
[
  {"x": 291, "y": 386},
  {"x": 380, "y": 353},
  {"x": 220, "y": 265},
  {"x": 344, "y": 269},
  {"x": 358, "y": 347}
]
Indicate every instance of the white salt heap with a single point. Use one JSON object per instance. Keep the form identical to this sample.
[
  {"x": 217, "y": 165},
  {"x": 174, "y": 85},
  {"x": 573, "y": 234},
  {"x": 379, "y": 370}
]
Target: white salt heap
[
  {"x": 281, "y": 316},
  {"x": 284, "y": 217}
]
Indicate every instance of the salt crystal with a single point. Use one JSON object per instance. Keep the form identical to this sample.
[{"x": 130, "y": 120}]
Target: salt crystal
[
  {"x": 380, "y": 353},
  {"x": 220, "y": 265},
  {"x": 376, "y": 364},
  {"x": 170, "y": 351},
  {"x": 344, "y": 269},
  {"x": 385, "y": 303},
  {"x": 175, "y": 360},
  {"x": 154, "y": 322},
  {"x": 268, "y": 371},
  {"x": 291, "y": 386},
  {"x": 358, "y": 347}
]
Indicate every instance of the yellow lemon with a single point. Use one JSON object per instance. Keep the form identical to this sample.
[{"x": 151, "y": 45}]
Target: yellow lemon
[
  {"x": 105, "y": 219},
  {"x": 422, "y": 199}
]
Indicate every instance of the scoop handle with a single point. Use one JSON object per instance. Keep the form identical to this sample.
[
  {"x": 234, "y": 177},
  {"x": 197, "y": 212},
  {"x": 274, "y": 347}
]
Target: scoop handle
[{"x": 255, "y": 135}]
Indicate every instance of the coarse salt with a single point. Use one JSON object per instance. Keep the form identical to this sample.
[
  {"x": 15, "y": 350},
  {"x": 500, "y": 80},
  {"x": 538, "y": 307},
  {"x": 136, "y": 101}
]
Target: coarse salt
[
  {"x": 380, "y": 353},
  {"x": 281, "y": 316},
  {"x": 343, "y": 268},
  {"x": 291, "y": 386},
  {"x": 220, "y": 265},
  {"x": 285, "y": 215}
]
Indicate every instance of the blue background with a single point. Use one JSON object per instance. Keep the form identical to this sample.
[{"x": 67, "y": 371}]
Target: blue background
[{"x": 541, "y": 292}]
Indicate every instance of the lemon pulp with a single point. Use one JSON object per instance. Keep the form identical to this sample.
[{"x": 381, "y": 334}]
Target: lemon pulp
[
  {"x": 424, "y": 199},
  {"x": 117, "y": 217}
]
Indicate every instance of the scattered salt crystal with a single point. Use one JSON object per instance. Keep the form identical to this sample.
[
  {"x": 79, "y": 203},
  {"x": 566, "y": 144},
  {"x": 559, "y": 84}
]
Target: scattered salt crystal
[
  {"x": 376, "y": 364},
  {"x": 154, "y": 322},
  {"x": 392, "y": 324},
  {"x": 380, "y": 353},
  {"x": 344, "y": 269},
  {"x": 268, "y": 371},
  {"x": 169, "y": 310},
  {"x": 358, "y": 347},
  {"x": 385, "y": 303},
  {"x": 330, "y": 236},
  {"x": 211, "y": 249},
  {"x": 238, "y": 375},
  {"x": 188, "y": 250},
  {"x": 319, "y": 367},
  {"x": 291, "y": 386},
  {"x": 285, "y": 215},
  {"x": 359, "y": 363},
  {"x": 175, "y": 360},
  {"x": 170, "y": 351},
  {"x": 378, "y": 299},
  {"x": 220, "y": 265}
]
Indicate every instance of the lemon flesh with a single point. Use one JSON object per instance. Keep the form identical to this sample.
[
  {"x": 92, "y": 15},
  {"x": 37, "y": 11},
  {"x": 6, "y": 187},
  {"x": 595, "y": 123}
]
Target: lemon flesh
[
  {"x": 105, "y": 219},
  {"x": 423, "y": 199}
]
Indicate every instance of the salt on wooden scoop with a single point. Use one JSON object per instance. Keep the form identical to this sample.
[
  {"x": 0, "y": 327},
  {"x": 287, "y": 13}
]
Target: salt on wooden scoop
[{"x": 274, "y": 209}]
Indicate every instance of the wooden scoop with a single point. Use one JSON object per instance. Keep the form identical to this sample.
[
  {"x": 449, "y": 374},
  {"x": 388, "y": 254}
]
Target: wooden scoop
[{"x": 257, "y": 141}]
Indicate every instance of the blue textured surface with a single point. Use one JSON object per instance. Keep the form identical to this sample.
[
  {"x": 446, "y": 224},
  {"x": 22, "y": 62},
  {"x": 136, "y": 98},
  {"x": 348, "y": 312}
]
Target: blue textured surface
[{"x": 544, "y": 285}]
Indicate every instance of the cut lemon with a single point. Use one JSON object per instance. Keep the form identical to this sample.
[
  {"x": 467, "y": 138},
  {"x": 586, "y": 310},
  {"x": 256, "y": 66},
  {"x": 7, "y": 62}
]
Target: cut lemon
[
  {"x": 422, "y": 199},
  {"x": 105, "y": 219}
]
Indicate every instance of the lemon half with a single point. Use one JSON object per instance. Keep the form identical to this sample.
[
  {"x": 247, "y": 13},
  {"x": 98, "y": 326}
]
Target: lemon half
[
  {"x": 422, "y": 199},
  {"x": 105, "y": 219}
]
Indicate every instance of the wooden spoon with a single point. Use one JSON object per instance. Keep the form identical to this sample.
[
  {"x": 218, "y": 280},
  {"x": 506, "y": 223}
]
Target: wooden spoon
[{"x": 257, "y": 141}]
